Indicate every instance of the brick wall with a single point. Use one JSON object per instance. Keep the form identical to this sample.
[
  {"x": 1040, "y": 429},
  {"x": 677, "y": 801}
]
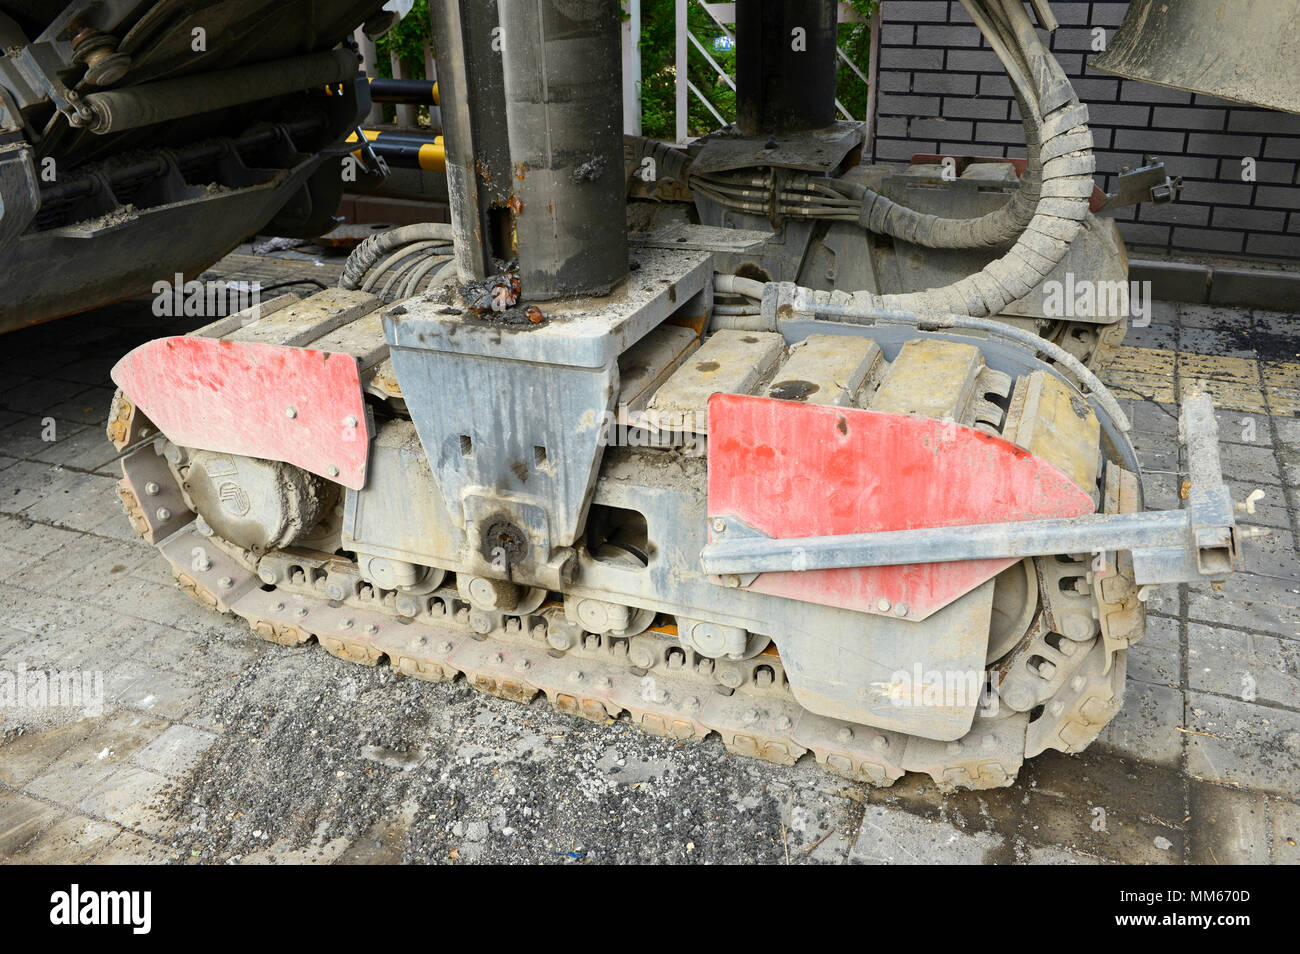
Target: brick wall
[{"x": 942, "y": 89}]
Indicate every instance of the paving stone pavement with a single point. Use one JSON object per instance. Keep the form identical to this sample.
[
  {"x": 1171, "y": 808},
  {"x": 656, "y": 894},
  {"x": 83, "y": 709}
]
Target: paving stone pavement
[{"x": 200, "y": 720}]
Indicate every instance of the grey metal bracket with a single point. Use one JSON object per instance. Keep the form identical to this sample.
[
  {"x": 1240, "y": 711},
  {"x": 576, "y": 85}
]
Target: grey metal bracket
[
  {"x": 1168, "y": 546},
  {"x": 1147, "y": 183}
]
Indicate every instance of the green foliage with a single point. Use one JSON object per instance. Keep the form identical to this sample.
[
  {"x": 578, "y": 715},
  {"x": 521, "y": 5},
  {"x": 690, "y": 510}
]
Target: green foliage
[
  {"x": 407, "y": 40},
  {"x": 659, "y": 74}
]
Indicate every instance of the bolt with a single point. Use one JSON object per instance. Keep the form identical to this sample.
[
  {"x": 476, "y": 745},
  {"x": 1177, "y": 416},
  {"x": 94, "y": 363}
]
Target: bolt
[
  {"x": 900, "y": 610},
  {"x": 225, "y": 582},
  {"x": 731, "y": 678},
  {"x": 880, "y": 743},
  {"x": 523, "y": 665},
  {"x": 845, "y": 734},
  {"x": 607, "y": 683},
  {"x": 751, "y": 716},
  {"x": 731, "y": 580},
  {"x": 291, "y": 412},
  {"x": 332, "y": 470},
  {"x": 163, "y": 513},
  {"x": 883, "y": 605},
  {"x": 371, "y": 629},
  {"x": 268, "y": 575},
  {"x": 278, "y": 607},
  {"x": 691, "y": 702},
  {"x": 346, "y": 624},
  {"x": 498, "y": 658},
  {"x": 349, "y": 421},
  {"x": 784, "y": 723},
  {"x": 152, "y": 488},
  {"x": 719, "y": 525},
  {"x": 300, "y": 612},
  {"x": 659, "y": 695},
  {"x": 444, "y": 646},
  {"x": 575, "y": 676}
]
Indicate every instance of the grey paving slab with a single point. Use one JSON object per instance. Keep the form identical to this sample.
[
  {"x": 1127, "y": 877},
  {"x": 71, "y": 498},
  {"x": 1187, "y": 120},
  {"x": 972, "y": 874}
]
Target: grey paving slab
[
  {"x": 1157, "y": 657},
  {"x": 22, "y": 819},
  {"x": 897, "y": 838},
  {"x": 1232, "y": 827},
  {"x": 1234, "y": 742},
  {"x": 1260, "y": 602},
  {"x": 84, "y": 449},
  {"x": 77, "y": 502},
  {"x": 72, "y": 840},
  {"x": 1247, "y": 666},
  {"x": 174, "y": 752},
  {"x": 1148, "y": 727}
]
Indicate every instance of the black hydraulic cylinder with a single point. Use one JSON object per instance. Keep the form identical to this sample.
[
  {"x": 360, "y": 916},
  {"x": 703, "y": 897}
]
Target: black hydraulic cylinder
[
  {"x": 565, "y": 118},
  {"x": 785, "y": 65},
  {"x": 414, "y": 91},
  {"x": 166, "y": 100}
]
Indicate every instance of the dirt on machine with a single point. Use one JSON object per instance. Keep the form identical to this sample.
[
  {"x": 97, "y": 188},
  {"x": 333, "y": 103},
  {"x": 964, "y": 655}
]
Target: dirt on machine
[{"x": 745, "y": 437}]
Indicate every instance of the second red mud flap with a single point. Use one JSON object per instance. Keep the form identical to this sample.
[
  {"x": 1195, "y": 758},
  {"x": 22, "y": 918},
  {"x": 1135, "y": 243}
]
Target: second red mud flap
[
  {"x": 298, "y": 405},
  {"x": 786, "y": 470}
]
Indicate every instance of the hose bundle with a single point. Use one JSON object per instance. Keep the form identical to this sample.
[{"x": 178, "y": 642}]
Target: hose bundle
[{"x": 395, "y": 264}]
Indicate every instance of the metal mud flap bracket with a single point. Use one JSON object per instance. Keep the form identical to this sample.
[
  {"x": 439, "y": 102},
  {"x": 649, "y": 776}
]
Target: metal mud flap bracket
[{"x": 985, "y": 505}]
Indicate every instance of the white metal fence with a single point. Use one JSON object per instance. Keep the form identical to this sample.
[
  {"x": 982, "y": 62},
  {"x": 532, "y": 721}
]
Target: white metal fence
[{"x": 724, "y": 15}]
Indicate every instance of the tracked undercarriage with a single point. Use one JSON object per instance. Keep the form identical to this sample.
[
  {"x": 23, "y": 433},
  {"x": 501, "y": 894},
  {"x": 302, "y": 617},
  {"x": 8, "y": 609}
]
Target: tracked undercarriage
[{"x": 1056, "y": 628}]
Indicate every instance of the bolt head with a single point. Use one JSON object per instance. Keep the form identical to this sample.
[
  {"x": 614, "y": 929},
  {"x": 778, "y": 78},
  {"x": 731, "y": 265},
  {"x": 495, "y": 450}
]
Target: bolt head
[
  {"x": 163, "y": 513},
  {"x": 291, "y": 412},
  {"x": 332, "y": 470},
  {"x": 225, "y": 582},
  {"x": 349, "y": 421},
  {"x": 152, "y": 488},
  {"x": 719, "y": 525},
  {"x": 371, "y": 629},
  {"x": 883, "y": 605}
]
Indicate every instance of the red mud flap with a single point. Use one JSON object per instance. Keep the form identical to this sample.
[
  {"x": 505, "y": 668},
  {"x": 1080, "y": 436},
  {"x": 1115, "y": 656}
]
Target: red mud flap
[
  {"x": 789, "y": 470},
  {"x": 296, "y": 405}
]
